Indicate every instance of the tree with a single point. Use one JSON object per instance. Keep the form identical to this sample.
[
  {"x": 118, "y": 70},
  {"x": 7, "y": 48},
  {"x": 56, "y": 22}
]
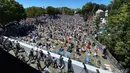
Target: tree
[
  {"x": 102, "y": 7},
  {"x": 89, "y": 9},
  {"x": 79, "y": 11},
  {"x": 50, "y": 10},
  {"x": 10, "y": 11},
  {"x": 109, "y": 7},
  {"x": 118, "y": 28},
  {"x": 97, "y": 22},
  {"x": 96, "y": 7},
  {"x": 34, "y": 11},
  {"x": 68, "y": 11},
  {"x": 57, "y": 11}
]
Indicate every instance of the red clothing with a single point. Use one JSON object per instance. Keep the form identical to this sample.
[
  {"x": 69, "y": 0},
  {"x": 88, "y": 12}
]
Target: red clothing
[
  {"x": 88, "y": 46},
  {"x": 69, "y": 38}
]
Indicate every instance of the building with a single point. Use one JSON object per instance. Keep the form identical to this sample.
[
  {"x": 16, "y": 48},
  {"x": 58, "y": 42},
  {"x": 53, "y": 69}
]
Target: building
[{"x": 100, "y": 13}]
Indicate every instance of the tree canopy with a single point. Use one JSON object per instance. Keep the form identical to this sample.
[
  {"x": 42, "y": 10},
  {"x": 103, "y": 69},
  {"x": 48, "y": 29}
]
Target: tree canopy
[
  {"x": 68, "y": 11},
  {"x": 89, "y": 9},
  {"x": 10, "y": 11},
  {"x": 50, "y": 10},
  {"x": 34, "y": 11},
  {"x": 118, "y": 26},
  {"x": 54, "y": 11},
  {"x": 58, "y": 11},
  {"x": 102, "y": 7},
  {"x": 78, "y": 11}
]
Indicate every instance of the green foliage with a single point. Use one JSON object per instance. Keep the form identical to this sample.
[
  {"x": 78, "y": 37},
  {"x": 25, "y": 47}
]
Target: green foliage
[
  {"x": 58, "y": 11},
  {"x": 119, "y": 27},
  {"x": 79, "y": 11},
  {"x": 50, "y": 10},
  {"x": 109, "y": 7},
  {"x": 10, "y": 11},
  {"x": 54, "y": 11},
  {"x": 102, "y": 7},
  {"x": 89, "y": 9},
  {"x": 34, "y": 11},
  {"x": 96, "y": 22},
  {"x": 68, "y": 11}
]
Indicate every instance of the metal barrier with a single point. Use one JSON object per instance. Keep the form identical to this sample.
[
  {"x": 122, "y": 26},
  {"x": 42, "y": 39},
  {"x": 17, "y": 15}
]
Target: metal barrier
[{"x": 114, "y": 62}]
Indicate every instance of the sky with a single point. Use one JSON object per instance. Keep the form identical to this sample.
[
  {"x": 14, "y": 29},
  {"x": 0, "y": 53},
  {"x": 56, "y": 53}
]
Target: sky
[{"x": 60, "y": 3}]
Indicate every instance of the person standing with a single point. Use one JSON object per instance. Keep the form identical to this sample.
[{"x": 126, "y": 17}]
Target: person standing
[
  {"x": 105, "y": 53},
  {"x": 70, "y": 69},
  {"x": 17, "y": 46},
  {"x": 31, "y": 55},
  {"x": 96, "y": 51},
  {"x": 41, "y": 55},
  {"x": 61, "y": 66},
  {"x": 89, "y": 47},
  {"x": 54, "y": 62},
  {"x": 48, "y": 61},
  {"x": 97, "y": 71},
  {"x": 36, "y": 55},
  {"x": 38, "y": 64},
  {"x": 61, "y": 59}
]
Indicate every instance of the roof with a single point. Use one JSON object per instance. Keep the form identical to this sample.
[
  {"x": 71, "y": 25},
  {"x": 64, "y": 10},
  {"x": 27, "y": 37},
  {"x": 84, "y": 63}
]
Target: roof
[
  {"x": 106, "y": 11},
  {"x": 99, "y": 10}
]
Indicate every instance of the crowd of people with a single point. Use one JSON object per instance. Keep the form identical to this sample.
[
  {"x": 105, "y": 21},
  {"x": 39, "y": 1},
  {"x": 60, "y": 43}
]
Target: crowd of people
[
  {"x": 66, "y": 35},
  {"x": 36, "y": 56},
  {"x": 71, "y": 31}
]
